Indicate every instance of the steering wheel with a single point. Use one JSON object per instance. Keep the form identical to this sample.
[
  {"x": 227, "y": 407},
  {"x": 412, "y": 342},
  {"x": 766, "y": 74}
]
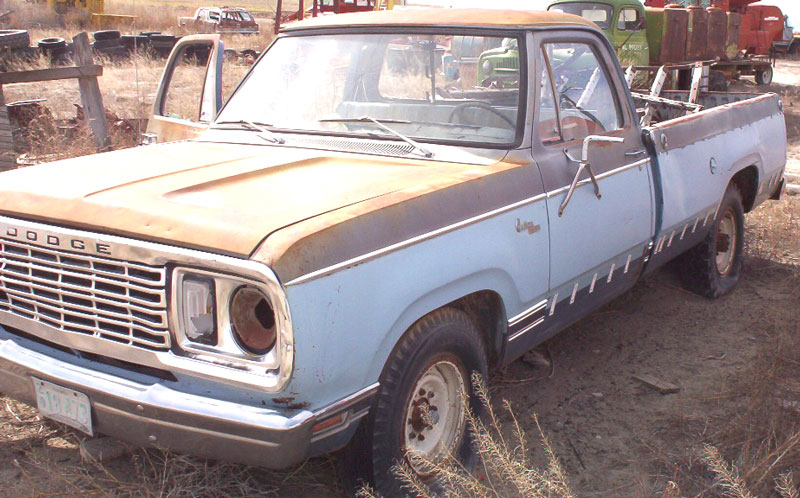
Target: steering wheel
[{"x": 483, "y": 105}]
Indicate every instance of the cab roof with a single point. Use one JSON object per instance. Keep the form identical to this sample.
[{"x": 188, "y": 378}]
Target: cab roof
[{"x": 484, "y": 18}]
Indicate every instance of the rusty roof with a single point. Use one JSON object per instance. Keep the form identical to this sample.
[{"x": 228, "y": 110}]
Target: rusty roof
[{"x": 445, "y": 17}]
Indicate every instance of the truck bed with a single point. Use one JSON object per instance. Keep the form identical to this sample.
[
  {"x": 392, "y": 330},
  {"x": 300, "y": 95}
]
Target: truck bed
[{"x": 695, "y": 157}]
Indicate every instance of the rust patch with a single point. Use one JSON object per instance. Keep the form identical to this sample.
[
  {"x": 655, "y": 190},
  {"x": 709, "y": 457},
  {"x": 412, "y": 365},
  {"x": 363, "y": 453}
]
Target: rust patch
[{"x": 283, "y": 401}]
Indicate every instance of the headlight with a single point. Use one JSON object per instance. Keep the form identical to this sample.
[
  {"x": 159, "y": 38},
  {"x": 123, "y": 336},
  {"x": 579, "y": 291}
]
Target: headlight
[
  {"x": 253, "y": 320},
  {"x": 231, "y": 320},
  {"x": 487, "y": 67}
]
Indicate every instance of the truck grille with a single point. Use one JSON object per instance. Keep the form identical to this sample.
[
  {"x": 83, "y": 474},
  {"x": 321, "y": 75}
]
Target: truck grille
[{"x": 108, "y": 299}]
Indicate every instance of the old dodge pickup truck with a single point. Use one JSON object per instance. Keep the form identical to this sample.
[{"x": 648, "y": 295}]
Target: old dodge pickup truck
[{"x": 325, "y": 264}]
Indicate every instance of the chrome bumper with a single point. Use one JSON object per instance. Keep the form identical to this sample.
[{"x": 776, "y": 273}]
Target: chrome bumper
[{"x": 156, "y": 415}]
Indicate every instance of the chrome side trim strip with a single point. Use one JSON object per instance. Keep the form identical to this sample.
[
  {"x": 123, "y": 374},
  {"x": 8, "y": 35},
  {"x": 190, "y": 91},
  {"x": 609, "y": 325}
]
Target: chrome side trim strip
[
  {"x": 455, "y": 226},
  {"x": 526, "y": 329},
  {"x": 530, "y": 311},
  {"x": 419, "y": 238},
  {"x": 601, "y": 176},
  {"x": 553, "y": 306}
]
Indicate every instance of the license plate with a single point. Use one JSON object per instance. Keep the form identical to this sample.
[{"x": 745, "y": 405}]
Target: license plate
[{"x": 64, "y": 405}]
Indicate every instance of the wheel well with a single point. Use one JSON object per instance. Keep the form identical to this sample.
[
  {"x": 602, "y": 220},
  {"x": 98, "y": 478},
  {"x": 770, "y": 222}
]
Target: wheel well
[
  {"x": 747, "y": 183},
  {"x": 487, "y": 310}
]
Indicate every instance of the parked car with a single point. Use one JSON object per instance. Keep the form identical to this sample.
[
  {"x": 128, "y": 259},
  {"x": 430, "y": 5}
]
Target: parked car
[
  {"x": 342, "y": 246},
  {"x": 221, "y": 20}
]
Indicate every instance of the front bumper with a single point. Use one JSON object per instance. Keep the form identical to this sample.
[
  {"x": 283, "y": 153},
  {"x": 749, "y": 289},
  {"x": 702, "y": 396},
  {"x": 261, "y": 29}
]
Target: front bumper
[{"x": 156, "y": 415}]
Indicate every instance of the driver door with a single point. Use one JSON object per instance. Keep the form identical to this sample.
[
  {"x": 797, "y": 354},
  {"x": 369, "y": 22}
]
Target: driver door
[
  {"x": 597, "y": 235},
  {"x": 190, "y": 93}
]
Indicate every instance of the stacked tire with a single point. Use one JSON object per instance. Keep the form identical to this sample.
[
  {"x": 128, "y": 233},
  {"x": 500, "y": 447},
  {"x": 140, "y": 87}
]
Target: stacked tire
[
  {"x": 161, "y": 44},
  {"x": 15, "y": 44},
  {"x": 57, "y": 49},
  {"x": 108, "y": 43},
  {"x": 135, "y": 43},
  {"x": 14, "y": 39}
]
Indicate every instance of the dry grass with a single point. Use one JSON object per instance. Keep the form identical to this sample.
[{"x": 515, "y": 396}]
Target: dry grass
[
  {"x": 505, "y": 470},
  {"x": 41, "y": 460},
  {"x": 773, "y": 234}
]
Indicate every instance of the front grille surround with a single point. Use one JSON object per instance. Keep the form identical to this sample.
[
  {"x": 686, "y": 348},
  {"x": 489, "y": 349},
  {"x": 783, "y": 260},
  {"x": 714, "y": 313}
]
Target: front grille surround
[
  {"x": 114, "y": 291},
  {"x": 111, "y": 300}
]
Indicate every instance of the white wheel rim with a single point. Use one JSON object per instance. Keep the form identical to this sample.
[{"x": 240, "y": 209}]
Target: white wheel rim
[
  {"x": 435, "y": 416},
  {"x": 726, "y": 243}
]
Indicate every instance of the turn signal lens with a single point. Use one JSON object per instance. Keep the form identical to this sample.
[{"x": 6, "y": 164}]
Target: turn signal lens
[
  {"x": 198, "y": 310},
  {"x": 253, "y": 320}
]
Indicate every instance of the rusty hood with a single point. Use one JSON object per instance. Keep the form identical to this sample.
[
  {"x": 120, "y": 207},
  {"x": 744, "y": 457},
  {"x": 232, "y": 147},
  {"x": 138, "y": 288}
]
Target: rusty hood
[{"x": 224, "y": 198}]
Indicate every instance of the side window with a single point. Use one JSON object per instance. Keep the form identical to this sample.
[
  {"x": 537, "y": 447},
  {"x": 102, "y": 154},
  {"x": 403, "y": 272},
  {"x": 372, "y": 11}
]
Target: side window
[
  {"x": 629, "y": 20},
  {"x": 185, "y": 90},
  {"x": 584, "y": 96}
]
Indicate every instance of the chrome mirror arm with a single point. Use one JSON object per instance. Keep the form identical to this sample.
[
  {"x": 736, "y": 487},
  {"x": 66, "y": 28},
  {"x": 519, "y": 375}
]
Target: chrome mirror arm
[{"x": 583, "y": 163}]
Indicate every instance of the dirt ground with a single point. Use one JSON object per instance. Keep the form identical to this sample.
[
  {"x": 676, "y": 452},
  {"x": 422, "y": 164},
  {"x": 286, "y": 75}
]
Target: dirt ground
[{"x": 615, "y": 436}]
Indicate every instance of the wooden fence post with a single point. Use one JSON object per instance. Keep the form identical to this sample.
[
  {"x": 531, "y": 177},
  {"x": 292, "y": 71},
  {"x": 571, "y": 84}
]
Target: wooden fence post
[
  {"x": 7, "y": 156},
  {"x": 91, "y": 98}
]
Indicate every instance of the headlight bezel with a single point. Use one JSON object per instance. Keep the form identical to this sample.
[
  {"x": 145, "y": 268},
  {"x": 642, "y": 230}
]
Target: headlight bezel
[{"x": 275, "y": 366}]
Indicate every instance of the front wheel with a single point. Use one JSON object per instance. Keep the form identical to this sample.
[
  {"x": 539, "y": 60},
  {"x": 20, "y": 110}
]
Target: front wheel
[
  {"x": 712, "y": 268},
  {"x": 420, "y": 408}
]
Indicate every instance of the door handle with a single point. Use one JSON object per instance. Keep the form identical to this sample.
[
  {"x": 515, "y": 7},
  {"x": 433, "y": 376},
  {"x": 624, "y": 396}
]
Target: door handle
[
  {"x": 584, "y": 165},
  {"x": 635, "y": 152}
]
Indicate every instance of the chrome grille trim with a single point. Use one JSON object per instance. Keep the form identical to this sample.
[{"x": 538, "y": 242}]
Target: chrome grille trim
[{"x": 108, "y": 299}]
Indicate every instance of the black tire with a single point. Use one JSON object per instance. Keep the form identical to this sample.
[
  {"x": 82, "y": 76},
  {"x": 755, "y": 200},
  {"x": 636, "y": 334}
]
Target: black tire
[
  {"x": 115, "y": 53},
  {"x": 109, "y": 34},
  {"x": 718, "y": 82},
  {"x": 134, "y": 42},
  {"x": 163, "y": 38},
  {"x": 700, "y": 266},
  {"x": 106, "y": 44},
  {"x": 764, "y": 77},
  {"x": 445, "y": 338},
  {"x": 13, "y": 39},
  {"x": 48, "y": 45}
]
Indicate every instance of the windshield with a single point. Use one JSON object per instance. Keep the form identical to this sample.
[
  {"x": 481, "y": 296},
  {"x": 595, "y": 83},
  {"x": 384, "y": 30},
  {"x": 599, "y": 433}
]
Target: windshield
[
  {"x": 411, "y": 83},
  {"x": 598, "y": 13}
]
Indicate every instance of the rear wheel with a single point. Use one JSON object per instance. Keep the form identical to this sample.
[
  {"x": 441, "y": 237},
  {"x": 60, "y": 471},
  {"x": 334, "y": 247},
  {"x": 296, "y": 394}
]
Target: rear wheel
[
  {"x": 764, "y": 77},
  {"x": 419, "y": 409},
  {"x": 712, "y": 268}
]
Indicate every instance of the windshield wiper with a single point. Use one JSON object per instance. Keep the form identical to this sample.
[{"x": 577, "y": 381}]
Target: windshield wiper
[
  {"x": 367, "y": 119},
  {"x": 262, "y": 132}
]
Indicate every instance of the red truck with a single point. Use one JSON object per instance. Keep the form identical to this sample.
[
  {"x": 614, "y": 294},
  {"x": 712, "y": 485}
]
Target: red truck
[{"x": 764, "y": 28}]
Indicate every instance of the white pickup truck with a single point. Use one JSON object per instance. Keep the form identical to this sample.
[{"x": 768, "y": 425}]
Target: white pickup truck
[{"x": 358, "y": 230}]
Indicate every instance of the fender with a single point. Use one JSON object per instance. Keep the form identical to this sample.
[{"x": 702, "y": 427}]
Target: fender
[{"x": 494, "y": 280}]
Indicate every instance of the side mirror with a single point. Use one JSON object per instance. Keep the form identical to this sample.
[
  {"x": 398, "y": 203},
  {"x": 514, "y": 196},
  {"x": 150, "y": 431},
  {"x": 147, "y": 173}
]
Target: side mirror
[{"x": 584, "y": 165}]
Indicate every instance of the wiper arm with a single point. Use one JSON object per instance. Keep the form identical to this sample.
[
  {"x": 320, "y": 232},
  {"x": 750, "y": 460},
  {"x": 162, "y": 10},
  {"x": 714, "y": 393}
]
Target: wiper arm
[
  {"x": 367, "y": 119},
  {"x": 262, "y": 132}
]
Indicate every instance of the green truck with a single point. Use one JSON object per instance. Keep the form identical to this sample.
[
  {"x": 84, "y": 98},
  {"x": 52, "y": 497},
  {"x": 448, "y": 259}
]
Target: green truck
[{"x": 622, "y": 21}]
